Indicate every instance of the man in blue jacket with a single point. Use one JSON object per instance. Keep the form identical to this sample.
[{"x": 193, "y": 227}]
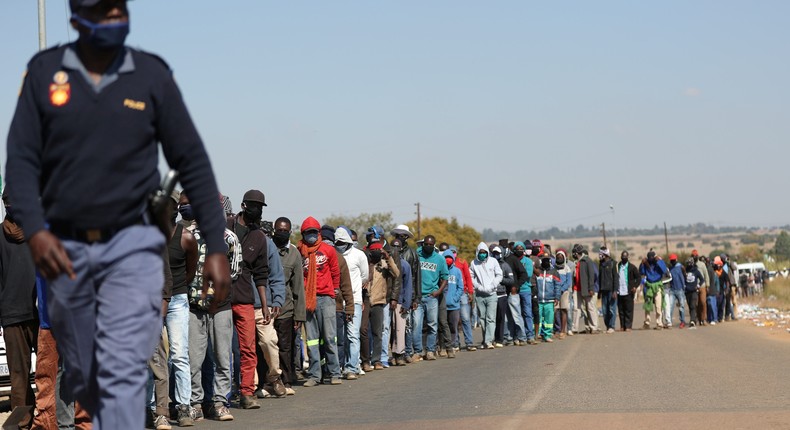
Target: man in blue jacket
[
  {"x": 676, "y": 292},
  {"x": 653, "y": 270}
]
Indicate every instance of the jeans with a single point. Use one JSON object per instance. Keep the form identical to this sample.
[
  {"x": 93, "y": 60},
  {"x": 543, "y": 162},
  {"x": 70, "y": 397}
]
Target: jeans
[
  {"x": 517, "y": 330},
  {"x": 466, "y": 320},
  {"x": 385, "y": 334},
  {"x": 340, "y": 318},
  {"x": 572, "y": 305},
  {"x": 609, "y": 305},
  {"x": 177, "y": 323},
  {"x": 217, "y": 329},
  {"x": 321, "y": 327},
  {"x": 107, "y": 322},
  {"x": 486, "y": 306},
  {"x": 713, "y": 309},
  {"x": 409, "y": 335},
  {"x": 427, "y": 311},
  {"x": 352, "y": 334},
  {"x": 526, "y": 313},
  {"x": 680, "y": 297}
]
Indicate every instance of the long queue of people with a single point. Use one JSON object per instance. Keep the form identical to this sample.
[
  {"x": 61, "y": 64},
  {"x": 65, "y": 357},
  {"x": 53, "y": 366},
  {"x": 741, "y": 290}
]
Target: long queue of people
[{"x": 323, "y": 308}]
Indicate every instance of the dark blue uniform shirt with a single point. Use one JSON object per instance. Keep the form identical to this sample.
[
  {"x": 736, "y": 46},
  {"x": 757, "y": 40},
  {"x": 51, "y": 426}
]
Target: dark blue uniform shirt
[{"x": 89, "y": 151}]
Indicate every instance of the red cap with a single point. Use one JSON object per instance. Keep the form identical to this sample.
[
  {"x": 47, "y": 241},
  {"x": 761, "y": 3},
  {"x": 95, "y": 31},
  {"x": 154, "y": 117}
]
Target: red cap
[
  {"x": 375, "y": 245},
  {"x": 673, "y": 257},
  {"x": 694, "y": 253}
]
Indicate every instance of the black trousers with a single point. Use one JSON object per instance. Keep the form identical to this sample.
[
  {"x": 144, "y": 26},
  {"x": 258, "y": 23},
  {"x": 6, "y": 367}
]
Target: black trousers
[
  {"x": 692, "y": 299},
  {"x": 501, "y": 319},
  {"x": 20, "y": 341},
  {"x": 377, "y": 328},
  {"x": 364, "y": 333},
  {"x": 625, "y": 307},
  {"x": 444, "y": 338}
]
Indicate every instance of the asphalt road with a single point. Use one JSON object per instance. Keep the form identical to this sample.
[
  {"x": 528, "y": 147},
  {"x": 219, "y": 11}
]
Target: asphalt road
[{"x": 729, "y": 376}]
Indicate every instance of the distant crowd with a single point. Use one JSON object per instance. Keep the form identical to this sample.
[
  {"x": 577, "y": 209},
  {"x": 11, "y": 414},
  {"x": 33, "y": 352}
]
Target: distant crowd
[{"x": 323, "y": 308}]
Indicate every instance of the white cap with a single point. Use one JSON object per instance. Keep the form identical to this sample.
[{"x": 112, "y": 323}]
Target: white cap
[{"x": 401, "y": 229}]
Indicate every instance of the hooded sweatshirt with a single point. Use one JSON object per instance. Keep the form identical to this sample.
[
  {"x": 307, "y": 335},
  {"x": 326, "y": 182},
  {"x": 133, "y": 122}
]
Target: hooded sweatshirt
[
  {"x": 565, "y": 273},
  {"x": 455, "y": 284},
  {"x": 357, "y": 264},
  {"x": 320, "y": 259},
  {"x": 547, "y": 283},
  {"x": 486, "y": 274},
  {"x": 529, "y": 269}
]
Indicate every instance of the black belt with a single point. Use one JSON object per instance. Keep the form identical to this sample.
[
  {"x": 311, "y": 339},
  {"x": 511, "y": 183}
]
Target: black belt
[{"x": 89, "y": 235}]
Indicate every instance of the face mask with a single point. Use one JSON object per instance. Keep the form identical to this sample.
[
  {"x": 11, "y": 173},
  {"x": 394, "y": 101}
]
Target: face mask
[
  {"x": 482, "y": 256},
  {"x": 342, "y": 247},
  {"x": 281, "y": 238},
  {"x": 624, "y": 260},
  {"x": 375, "y": 256},
  {"x": 310, "y": 238},
  {"x": 186, "y": 212},
  {"x": 427, "y": 249},
  {"x": 105, "y": 37},
  {"x": 356, "y": 244},
  {"x": 545, "y": 264},
  {"x": 498, "y": 256},
  {"x": 519, "y": 253},
  {"x": 449, "y": 261},
  {"x": 252, "y": 214}
]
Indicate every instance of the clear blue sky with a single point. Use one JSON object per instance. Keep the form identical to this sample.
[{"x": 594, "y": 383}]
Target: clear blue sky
[{"x": 507, "y": 114}]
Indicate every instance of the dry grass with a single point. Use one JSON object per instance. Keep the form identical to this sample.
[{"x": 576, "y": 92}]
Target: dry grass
[{"x": 776, "y": 295}]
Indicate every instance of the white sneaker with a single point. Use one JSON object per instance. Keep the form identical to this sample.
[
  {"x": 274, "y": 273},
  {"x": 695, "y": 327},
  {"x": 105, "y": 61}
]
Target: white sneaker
[
  {"x": 713, "y": 323},
  {"x": 610, "y": 331}
]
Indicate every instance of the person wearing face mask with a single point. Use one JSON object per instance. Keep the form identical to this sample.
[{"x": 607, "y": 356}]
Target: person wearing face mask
[
  {"x": 384, "y": 293},
  {"x": 182, "y": 250},
  {"x": 403, "y": 234},
  {"x": 434, "y": 274},
  {"x": 344, "y": 298},
  {"x": 675, "y": 292},
  {"x": 466, "y": 300},
  {"x": 486, "y": 276},
  {"x": 322, "y": 283},
  {"x": 547, "y": 282},
  {"x": 358, "y": 271},
  {"x": 565, "y": 270},
  {"x": 502, "y": 335},
  {"x": 702, "y": 304},
  {"x": 520, "y": 298},
  {"x": 693, "y": 281},
  {"x": 292, "y": 313},
  {"x": 584, "y": 285},
  {"x": 453, "y": 293},
  {"x": 609, "y": 283},
  {"x": 254, "y": 275},
  {"x": 133, "y": 104},
  {"x": 653, "y": 271},
  {"x": 627, "y": 284},
  {"x": 401, "y": 313},
  {"x": 210, "y": 321}
]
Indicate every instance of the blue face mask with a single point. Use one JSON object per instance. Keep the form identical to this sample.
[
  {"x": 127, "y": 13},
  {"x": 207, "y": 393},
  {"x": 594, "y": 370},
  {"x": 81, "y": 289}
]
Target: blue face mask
[
  {"x": 186, "y": 212},
  {"x": 105, "y": 36},
  {"x": 310, "y": 238},
  {"x": 482, "y": 256}
]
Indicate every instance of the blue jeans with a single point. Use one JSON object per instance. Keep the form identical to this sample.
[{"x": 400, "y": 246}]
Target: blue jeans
[
  {"x": 466, "y": 322},
  {"x": 321, "y": 327},
  {"x": 609, "y": 308},
  {"x": 517, "y": 324},
  {"x": 340, "y": 318},
  {"x": 676, "y": 296},
  {"x": 108, "y": 320},
  {"x": 713, "y": 309},
  {"x": 427, "y": 311},
  {"x": 486, "y": 306},
  {"x": 352, "y": 347},
  {"x": 526, "y": 313},
  {"x": 385, "y": 335},
  {"x": 177, "y": 323}
]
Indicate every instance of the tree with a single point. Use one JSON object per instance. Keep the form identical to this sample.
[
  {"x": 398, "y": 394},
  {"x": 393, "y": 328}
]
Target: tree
[
  {"x": 362, "y": 222},
  {"x": 782, "y": 246},
  {"x": 750, "y": 253},
  {"x": 464, "y": 237}
]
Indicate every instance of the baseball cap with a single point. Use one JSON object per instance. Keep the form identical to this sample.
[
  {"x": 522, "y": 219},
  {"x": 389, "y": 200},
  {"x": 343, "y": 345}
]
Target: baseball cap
[
  {"x": 254, "y": 196},
  {"x": 673, "y": 257},
  {"x": 694, "y": 253}
]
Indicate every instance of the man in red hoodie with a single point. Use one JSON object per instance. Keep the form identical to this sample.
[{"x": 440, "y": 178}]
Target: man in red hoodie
[{"x": 321, "y": 284}]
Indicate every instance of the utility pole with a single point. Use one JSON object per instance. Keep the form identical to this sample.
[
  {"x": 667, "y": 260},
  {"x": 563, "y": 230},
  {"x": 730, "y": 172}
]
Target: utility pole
[
  {"x": 419, "y": 230},
  {"x": 603, "y": 227},
  {"x": 666, "y": 237},
  {"x": 614, "y": 226},
  {"x": 42, "y": 25}
]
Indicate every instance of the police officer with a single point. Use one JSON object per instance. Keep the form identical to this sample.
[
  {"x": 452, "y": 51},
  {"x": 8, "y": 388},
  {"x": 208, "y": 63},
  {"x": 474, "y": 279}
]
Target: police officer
[{"x": 82, "y": 158}]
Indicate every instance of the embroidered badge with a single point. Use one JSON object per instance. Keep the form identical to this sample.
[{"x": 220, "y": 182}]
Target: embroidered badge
[{"x": 59, "y": 94}]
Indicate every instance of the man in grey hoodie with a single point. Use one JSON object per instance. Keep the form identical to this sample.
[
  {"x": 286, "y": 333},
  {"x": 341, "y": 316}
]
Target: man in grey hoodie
[{"x": 486, "y": 276}]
